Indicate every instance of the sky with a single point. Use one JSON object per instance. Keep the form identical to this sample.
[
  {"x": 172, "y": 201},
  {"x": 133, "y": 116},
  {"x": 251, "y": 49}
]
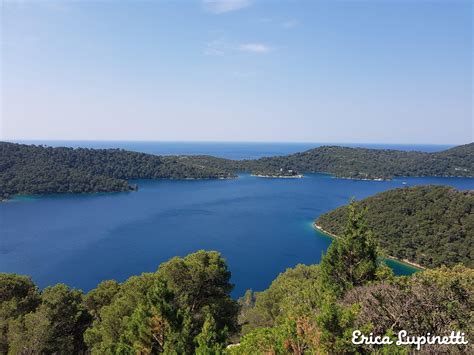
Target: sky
[{"x": 380, "y": 71}]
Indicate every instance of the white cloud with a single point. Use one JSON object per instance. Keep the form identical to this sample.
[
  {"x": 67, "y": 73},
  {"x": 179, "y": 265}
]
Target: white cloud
[
  {"x": 223, "y": 6},
  {"x": 221, "y": 47},
  {"x": 259, "y": 48},
  {"x": 290, "y": 24}
]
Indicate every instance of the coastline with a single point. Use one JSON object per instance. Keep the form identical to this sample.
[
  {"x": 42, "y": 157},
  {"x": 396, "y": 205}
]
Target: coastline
[
  {"x": 299, "y": 176},
  {"x": 402, "y": 261},
  {"x": 363, "y": 179},
  {"x": 131, "y": 188}
]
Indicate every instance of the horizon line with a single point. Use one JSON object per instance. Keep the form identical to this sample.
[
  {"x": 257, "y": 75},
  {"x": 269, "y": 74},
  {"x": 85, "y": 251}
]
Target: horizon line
[{"x": 224, "y": 141}]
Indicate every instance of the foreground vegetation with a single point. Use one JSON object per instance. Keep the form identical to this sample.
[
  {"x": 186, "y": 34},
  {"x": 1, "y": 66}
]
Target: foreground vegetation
[
  {"x": 29, "y": 169},
  {"x": 428, "y": 225},
  {"x": 185, "y": 307},
  {"x": 314, "y": 309},
  {"x": 181, "y": 308}
]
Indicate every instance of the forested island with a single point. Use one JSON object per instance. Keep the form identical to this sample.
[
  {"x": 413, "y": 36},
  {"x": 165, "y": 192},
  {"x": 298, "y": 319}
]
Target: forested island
[
  {"x": 428, "y": 225},
  {"x": 185, "y": 308},
  {"x": 30, "y": 169}
]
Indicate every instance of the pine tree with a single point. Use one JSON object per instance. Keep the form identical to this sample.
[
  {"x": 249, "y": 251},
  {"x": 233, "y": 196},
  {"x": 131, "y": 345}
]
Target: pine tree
[
  {"x": 152, "y": 324},
  {"x": 209, "y": 341},
  {"x": 351, "y": 260}
]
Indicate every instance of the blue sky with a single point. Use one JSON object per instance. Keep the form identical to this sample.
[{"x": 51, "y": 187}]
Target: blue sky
[{"x": 238, "y": 70}]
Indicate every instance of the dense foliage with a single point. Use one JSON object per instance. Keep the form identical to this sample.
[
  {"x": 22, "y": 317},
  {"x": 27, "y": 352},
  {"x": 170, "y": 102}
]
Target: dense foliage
[
  {"x": 353, "y": 259},
  {"x": 311, "y": 320},
  {"x": 428, "y": 225},
  {"x": 362, "y": 163},
  {"x": 182, "y": 308},
  {"x": 29, "y": 169}
]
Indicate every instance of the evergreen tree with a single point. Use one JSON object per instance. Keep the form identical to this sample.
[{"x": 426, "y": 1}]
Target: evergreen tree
[
  {"x": 352, "y": 259},
  {"x": 154, "y": 326},
  {"x": 201, "y": 284},
  {"x": 18, "y": 296},
  {"x": 56, "y": 326},
  {"x": 210, "y": 340},
  {"x": 101, "y": 296}
]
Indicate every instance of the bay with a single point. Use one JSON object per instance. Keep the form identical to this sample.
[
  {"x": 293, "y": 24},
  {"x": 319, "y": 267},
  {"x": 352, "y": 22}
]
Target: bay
[{"x": 261, "y": 226}]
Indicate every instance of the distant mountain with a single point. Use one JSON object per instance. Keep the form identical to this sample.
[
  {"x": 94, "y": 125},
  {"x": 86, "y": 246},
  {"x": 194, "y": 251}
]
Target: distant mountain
[{"x": 429, "y": 225}]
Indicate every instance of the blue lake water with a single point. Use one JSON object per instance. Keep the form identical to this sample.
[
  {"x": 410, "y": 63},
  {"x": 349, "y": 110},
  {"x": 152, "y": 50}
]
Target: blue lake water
[{"x": 261, "y": 226}]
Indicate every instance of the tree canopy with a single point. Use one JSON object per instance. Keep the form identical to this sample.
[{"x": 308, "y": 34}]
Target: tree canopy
[
  {"x": 429, "y": 225},
  {"x": 364, "y": 163},
  {"x": 30, "y": 169},
  {"x": 183, "y": 307}
]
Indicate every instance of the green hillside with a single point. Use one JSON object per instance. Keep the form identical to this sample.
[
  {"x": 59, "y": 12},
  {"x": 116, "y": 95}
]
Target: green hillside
[
  {"x": 428, "y": 225},
  {"x": 363, "y": 163},
  {"x": 29, "y": 169}
]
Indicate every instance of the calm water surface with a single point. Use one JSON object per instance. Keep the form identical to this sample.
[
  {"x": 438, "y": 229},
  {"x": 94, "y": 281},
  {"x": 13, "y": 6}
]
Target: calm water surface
[{"x": 261, "y": 226}]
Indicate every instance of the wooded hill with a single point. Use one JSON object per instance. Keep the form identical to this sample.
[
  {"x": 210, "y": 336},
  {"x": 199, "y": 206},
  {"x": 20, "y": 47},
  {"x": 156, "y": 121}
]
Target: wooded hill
[
  {"x": 363, "y": 163},
  {"x": 29, "y": 169},
  {"x": 429, "y": 225}
]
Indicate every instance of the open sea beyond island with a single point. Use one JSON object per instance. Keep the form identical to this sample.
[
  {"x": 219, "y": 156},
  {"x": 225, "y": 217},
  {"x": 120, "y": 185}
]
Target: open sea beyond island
[{"x": 261, "y": 226}]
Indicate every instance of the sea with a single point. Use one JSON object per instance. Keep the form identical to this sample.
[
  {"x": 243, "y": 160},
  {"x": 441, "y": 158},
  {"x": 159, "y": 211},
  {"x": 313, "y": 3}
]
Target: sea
[{"x": 260, "y": 226}]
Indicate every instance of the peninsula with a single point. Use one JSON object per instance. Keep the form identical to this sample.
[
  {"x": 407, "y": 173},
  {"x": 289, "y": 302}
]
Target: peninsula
[{"x": 427, "y": 226}]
